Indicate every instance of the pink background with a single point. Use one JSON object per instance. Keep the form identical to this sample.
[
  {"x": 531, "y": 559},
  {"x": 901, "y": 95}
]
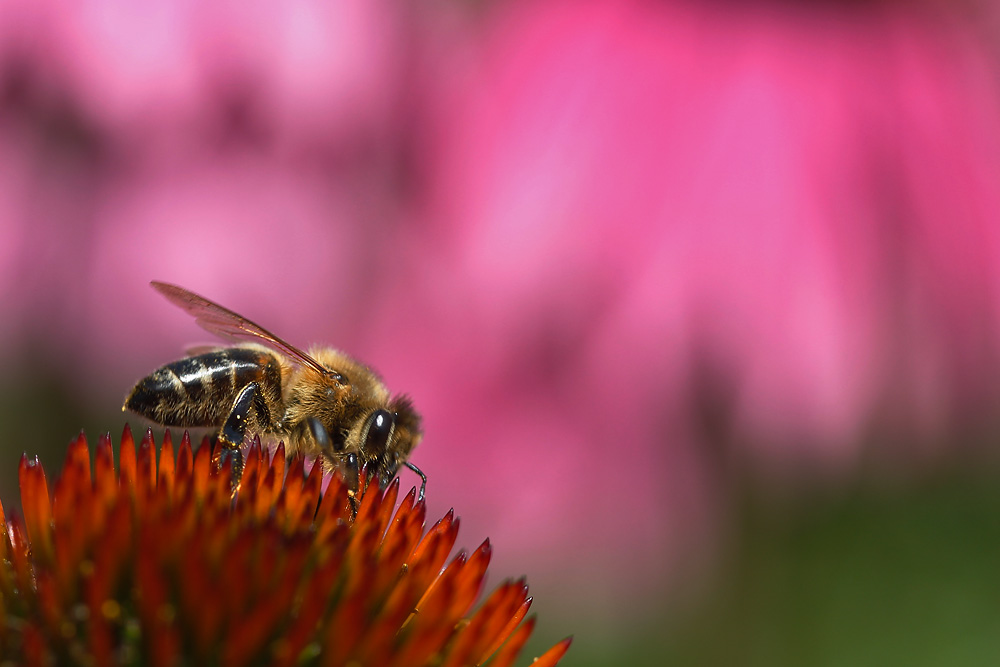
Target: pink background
[{"x": 621, "y": 254}]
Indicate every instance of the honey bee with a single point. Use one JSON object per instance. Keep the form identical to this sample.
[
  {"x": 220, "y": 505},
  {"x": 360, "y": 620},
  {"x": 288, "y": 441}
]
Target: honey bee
[{"x": 322, "y": 403}]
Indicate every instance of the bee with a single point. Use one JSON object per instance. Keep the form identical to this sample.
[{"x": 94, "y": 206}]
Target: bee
[{"x": 322, "y": 403}]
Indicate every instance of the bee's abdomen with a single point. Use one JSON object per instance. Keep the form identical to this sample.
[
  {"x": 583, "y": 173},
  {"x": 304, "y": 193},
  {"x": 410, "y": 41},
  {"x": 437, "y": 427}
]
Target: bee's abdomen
[{"x": 200, "y": 390}]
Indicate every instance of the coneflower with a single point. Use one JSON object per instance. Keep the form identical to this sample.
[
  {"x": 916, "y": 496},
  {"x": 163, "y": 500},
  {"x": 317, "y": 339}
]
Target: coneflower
[{"x": 161, "y": 564}]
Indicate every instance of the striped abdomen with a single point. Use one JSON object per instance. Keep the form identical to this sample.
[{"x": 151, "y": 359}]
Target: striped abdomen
[{"x": 200, "y": 390}]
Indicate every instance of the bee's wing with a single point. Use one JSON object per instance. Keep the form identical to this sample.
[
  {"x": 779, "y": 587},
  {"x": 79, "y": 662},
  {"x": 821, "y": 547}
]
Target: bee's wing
[{"x": 223, "y": 322}]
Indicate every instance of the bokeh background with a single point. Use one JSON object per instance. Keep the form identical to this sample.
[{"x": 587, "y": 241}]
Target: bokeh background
[{"x": 700, "y": 299}]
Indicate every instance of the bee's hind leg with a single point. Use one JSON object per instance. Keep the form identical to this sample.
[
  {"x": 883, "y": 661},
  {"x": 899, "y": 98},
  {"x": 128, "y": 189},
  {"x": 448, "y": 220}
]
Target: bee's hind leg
[{"x": 248, "y": 408}]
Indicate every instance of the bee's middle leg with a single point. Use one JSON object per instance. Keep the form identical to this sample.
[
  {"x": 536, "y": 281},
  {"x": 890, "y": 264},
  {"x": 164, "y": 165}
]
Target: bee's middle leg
[{"x": 249, "y": 409}]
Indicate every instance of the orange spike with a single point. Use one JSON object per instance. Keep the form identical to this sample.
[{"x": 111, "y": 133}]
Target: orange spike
[
  {"x": 64, "y": 498},
  {"x": 290, "y": 499},
  {"x": 482, "y": 630},
  {"x": 221, "y": 471},
  {"x": 265, "y": 456},
  {"x": 6, "y": 583},
  {"x": 185, "y": 459},
  {"x": 430, "y": 560},
  {"x": 391, "y": 557},
  {"x": 209, "y": 610},
  {"x": 554, "y": 654},
  {"x": 37, "y": 506},
  {"x": 278, "y": 462},
  {"x": 361, "y": 548},
  {"x": 377, "y": 644},
  {"x": 344, "y": 631},
  {"x": 19, "y": 555},
  {"x": 251, "y": 464},
  {"x": 153, "y": 596},
  {"x": 78, "y": 456},
  {"x": 165, "y": 468},
  {"x": 414, "y": 526},
  {"x": 401, "y": 536},
  {"x": 105, "y": 479},
  {"x": 310, "y": 611},
  {"x": 312, "y": 489},
  {"x": 333, "y": 506},
  {"x": 275, "y": 478},
  {"x": 266, "y": 493},
  {"x": 488, "y": 622},
  {"x": 72, "y": 484},
  {"x": 300, "y": 517},
  {"x": 386, "y": 507},
  {"x": 296, "y": 469},
  {"x": 397, "y": 545},
  {"x": 506, "y": 631},
  {"x": 429, "y": 627},
  {"x": 470, "y": 580},
  {"x": 145, "y": 480},
  {"x": 444, "y": 585},
  {"x": 249, "y": 638},
  {"x": 146, "y": 465},
  {"x": 126, "y": 460},
  {"x": 371, "y": 501},
  {"x": 437, "y": 530},
  {"x": 423, "y": 571},
  {"x": 202, "y": 470},
  {"x": 246, "y": 499},
  {"x": 506, "y": 656},
  {"x": 403, "y": 511}
]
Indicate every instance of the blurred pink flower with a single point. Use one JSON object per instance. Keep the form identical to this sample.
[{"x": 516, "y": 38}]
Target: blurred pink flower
[
  {"x": 244, "y": 146},
  {"x": 160, "y": 72},
  {"x": 783, "y": 190},
  {"x": 281, "y": 244},
  {"x": 781, "y": 216}
]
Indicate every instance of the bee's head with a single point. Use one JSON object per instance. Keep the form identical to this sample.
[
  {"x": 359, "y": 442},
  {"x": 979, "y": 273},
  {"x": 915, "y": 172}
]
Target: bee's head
[
  {"x": 381, "y": 440},
  {"x": 388, "y": 436}
]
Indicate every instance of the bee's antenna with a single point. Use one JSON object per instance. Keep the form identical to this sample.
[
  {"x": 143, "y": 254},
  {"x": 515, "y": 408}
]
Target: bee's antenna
[{"x": 423, "y": 480}]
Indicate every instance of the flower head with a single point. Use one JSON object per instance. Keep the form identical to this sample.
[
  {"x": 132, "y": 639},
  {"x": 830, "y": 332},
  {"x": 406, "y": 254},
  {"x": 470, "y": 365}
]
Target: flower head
[{"x": 162, "y": 564}]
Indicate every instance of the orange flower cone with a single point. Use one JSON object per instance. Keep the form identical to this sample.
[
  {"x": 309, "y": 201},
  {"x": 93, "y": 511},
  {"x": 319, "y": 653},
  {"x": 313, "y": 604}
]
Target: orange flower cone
[{"x": 157, "y": 565}]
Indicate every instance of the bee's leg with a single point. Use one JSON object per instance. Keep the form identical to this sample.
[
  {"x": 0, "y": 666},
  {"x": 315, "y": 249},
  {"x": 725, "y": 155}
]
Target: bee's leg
[
  {"x": 324, "y": 442},
  {"x": 423, "y": 479},
  {"x": 333, "y": 450},
  {"x": 247, "y": 406},
  {"x": 351, "y": 473}
]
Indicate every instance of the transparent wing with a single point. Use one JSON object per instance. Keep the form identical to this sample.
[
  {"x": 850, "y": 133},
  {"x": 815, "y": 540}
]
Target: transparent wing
[{"x": 223, "y": 322}]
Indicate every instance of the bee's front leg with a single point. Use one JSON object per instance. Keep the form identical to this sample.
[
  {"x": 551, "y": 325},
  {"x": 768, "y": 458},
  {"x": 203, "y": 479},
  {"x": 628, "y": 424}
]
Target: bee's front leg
[
  {"x": 349, "y": 466},
  {"x": 248, "y": 408},
  {"x": 351, "y": 473}
]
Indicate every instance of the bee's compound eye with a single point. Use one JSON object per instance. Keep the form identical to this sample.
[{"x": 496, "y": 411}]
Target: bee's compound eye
[{"x": 380, "y": 427}]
